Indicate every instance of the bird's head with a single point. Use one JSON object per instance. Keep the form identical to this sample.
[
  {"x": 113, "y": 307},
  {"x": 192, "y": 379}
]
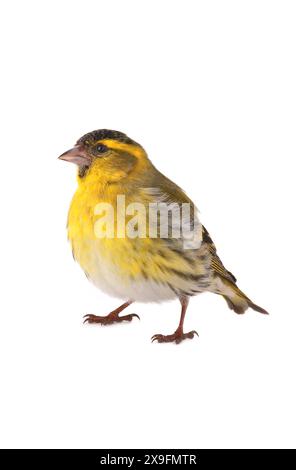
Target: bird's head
[{"x": 106, "y": 154}]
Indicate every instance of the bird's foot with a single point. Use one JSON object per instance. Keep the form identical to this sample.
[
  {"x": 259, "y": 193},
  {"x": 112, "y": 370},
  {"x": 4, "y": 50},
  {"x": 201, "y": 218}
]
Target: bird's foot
[
  {"x": 109, "y": 319},
  {"x": 178, "y": 336}
]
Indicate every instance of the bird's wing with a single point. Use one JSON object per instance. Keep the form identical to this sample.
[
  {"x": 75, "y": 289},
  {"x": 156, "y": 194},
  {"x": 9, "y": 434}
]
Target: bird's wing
[
  {"x": 169, "y": 193},
  {"x": 164, "y": 190},
  {"x": 159, "y": 186},
  {"x": 216, "y": 263}
]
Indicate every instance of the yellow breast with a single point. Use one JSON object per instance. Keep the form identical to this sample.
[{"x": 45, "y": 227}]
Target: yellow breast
[{"x": 139, "y": 268}]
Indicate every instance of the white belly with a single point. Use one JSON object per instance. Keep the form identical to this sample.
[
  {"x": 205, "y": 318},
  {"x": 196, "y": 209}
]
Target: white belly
[{"x": 107, "y": 277}]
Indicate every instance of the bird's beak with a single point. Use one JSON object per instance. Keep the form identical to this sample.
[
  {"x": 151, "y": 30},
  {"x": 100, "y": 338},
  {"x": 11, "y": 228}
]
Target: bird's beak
[{"x": 76, "y": 155}]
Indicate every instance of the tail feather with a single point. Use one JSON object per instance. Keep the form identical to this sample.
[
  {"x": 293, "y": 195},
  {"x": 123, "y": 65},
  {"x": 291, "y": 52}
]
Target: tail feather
[
  {"x": 237, "y": 300},
  {"x": 257, "y": 308},
  {"x": 238, "y": 307}
]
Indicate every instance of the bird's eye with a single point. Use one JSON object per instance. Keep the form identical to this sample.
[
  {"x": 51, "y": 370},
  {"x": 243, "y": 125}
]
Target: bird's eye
[{"x": 100, "y": 148}]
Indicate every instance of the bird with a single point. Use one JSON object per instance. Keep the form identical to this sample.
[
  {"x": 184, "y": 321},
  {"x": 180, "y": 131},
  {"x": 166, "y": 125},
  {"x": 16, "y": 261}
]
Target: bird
[{"x": 139, "y": 268}]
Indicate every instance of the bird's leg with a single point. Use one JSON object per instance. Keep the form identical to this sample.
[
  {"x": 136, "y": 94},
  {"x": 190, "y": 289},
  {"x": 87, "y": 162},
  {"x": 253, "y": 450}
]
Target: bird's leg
[
  {"x": 113, "y": 316},
  {"x": 179, "y": 334}
]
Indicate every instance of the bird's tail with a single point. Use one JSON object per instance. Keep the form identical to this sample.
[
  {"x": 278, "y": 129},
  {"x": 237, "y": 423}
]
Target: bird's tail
[{"x": 237, "y": 300}]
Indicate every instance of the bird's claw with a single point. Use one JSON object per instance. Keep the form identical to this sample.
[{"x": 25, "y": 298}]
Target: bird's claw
[
  {"x": 108, "y": 319},
  {"x": 132, "y": 315},
  {"x": 127, "y": 317},
  {"x": 176, "y": 337}
]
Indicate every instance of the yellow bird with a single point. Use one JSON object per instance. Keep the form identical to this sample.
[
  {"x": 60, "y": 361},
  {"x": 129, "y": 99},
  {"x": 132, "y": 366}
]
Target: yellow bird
[{"x": 125, "y": 254}]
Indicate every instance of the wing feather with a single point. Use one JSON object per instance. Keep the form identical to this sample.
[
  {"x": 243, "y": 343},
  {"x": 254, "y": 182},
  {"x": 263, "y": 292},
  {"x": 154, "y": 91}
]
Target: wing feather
[{"x": 216, "y": 262}]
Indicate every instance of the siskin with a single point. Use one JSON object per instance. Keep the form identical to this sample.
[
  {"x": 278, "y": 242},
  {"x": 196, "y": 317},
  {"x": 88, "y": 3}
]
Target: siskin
[{"x": 141, "y": 267}]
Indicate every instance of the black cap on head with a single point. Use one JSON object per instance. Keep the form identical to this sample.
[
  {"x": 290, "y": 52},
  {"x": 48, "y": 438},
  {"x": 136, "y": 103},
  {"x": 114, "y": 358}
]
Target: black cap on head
[{"x": 102, "y": 134}]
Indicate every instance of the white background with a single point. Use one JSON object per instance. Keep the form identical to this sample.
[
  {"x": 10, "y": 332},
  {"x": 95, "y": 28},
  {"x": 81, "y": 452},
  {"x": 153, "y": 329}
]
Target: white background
[{"x": 208, "y": 88}]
